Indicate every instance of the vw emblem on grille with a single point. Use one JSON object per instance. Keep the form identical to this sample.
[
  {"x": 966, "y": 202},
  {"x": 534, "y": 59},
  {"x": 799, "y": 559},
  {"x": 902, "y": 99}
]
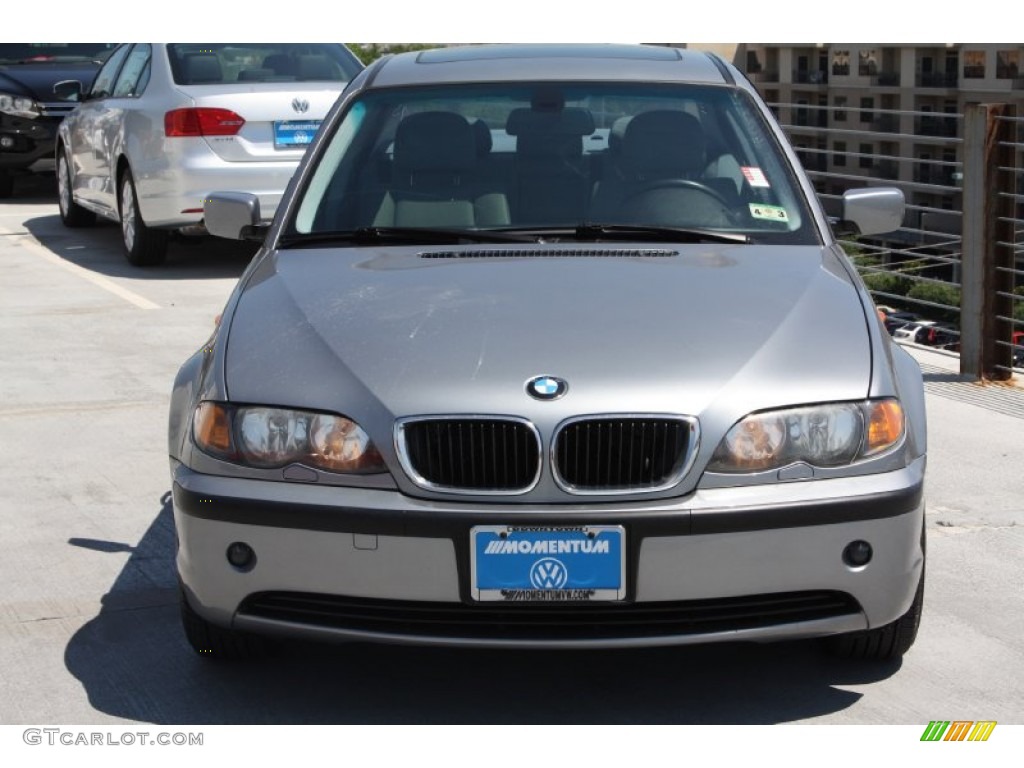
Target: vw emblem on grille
[
  {"x": 546, "y": 387},
  {"x": 548, "y": 573},
  {"x": 300, "y": 105}
]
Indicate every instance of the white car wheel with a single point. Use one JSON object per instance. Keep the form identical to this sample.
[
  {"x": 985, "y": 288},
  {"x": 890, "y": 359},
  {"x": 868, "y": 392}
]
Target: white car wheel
[
  {"x": 143, "y": 246},
  {"x": 71, "y": 214}
]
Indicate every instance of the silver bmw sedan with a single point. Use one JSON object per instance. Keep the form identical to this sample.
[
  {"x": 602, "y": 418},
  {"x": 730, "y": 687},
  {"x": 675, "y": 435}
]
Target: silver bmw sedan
[{"x": 550, "y": 347}]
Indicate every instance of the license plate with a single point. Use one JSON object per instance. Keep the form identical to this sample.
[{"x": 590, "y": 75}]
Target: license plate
[
  {"x": 538, "y": 564},
  {"x": 292, "y": 134}
]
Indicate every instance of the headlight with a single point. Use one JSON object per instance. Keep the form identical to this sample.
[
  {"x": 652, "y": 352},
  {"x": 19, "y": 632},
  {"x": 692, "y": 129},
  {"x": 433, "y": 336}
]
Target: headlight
[
  {"x": 821, "y": 435},
  {"x": 19, "y": 106},
  {"x": 269, "y": 438}
]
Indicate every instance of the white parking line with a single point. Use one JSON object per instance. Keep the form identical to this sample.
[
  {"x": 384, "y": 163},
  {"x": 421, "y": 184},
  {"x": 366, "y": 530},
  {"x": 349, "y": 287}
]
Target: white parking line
[
  {"x": 80, "y": 407},
  {"x": 32, "y": 245}
]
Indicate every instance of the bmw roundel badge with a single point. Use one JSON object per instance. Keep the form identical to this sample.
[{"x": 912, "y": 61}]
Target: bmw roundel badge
[{"x": 546, "y": 387}]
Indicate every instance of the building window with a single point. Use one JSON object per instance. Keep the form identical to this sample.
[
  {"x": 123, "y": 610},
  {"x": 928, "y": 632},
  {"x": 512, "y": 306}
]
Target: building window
[
  {"x": 974, "y": 64},
  {"x": 866, "y": 161},
  {"x": 867, "y": 62},
  {"x": 753, "y": 62},
  {"x": 840, "y": 113},
  {"x": 839, "y": 153},
  {"x": 841, "y": 62},
  {"x": 1007, "y": 64},
  {"x": 867, "y": 106}
]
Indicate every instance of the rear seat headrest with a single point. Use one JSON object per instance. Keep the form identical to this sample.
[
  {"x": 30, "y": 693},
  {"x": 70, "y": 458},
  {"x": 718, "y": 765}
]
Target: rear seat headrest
[
  {"x": 197, "y": 68},
  {"x": 317, "y": 67},
  {"x": 484, "y": 140}
]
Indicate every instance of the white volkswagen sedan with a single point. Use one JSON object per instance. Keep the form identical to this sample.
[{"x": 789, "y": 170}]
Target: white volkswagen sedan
[{"x": 163, "y": 125}]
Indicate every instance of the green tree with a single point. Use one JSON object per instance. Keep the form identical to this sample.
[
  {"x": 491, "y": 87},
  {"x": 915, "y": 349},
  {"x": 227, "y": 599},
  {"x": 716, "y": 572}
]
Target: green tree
[
  {"x": 888, "y": 282},
  {"x": 938, "y": 293},
  {"x": 370, "y": 52}
]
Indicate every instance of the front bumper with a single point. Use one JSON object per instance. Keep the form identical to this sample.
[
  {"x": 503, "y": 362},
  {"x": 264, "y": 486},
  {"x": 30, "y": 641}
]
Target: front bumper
[
  {"x": 32, "y": 142},
  {"x": 349, "y": 563}
]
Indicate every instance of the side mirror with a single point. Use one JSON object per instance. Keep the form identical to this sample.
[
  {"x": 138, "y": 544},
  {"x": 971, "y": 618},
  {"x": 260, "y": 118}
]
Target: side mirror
[
  {"x": 68, "y": 90},
  {"x": 871, "y": 211},
  {"x": 234, "y": 215}
]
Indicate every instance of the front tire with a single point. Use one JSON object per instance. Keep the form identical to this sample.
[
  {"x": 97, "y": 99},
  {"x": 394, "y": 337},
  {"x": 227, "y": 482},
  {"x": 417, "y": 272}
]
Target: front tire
[
  {"x": 143, "y": 246},
  {"x": 888, "y": 642},
  {"x": 6, "y": 184},
  {"x": 213, "y": 642},
  {"x": 71, "y": 213}
]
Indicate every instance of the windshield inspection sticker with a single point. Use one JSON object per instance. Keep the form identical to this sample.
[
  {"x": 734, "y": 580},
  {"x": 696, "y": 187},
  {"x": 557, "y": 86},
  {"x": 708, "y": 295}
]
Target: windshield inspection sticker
[
  {"x": 755, "y": 177},
  {"x": 768, "y": 212}
]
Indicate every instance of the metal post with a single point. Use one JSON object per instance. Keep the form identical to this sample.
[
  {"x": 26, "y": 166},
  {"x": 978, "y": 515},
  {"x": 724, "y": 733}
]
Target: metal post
[{"x": 984, "y": 131}]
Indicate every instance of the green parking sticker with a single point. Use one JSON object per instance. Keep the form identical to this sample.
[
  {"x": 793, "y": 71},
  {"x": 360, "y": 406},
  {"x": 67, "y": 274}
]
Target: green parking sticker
[{"x": 768, "y": 212}]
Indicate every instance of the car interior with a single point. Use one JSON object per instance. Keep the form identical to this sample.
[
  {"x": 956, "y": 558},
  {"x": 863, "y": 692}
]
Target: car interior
[
  {"x": 206, "y": 65},
  {"x": 544, "y": 165}
]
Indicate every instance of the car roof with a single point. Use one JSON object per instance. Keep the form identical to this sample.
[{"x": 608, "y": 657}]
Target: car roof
[{"x": 533, "y": 62}]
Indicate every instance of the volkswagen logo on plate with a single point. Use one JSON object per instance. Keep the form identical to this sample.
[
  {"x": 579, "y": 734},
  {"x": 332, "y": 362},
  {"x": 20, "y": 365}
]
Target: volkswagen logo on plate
[
  {"x": 300, "y": 105},
  {"x": 546, "y": 387},
  {"x": 548, "y": 573}
]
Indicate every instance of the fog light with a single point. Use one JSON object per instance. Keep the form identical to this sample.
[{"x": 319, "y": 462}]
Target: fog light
[
  {"x": 857, "y": 554},
  {"x": 241, "y": 555},
  {"x": 6, "y": 142}
]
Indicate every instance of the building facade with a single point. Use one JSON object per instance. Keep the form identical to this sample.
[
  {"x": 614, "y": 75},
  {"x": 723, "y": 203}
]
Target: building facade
[{"x": 885, "y": 111}]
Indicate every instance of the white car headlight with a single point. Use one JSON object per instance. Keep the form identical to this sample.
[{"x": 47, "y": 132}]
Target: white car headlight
[
  {"x": 19, "y": 106},
  {"x": 831, "y": 435},
  {"x": 275, "y": 437}
]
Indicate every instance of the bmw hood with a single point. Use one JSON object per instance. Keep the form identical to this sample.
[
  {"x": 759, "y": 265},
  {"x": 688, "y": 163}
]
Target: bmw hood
[{"x": 712, "y": 331}]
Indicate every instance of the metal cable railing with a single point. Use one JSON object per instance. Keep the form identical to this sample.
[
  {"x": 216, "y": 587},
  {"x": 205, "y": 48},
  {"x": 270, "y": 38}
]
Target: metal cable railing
[{"x": 919, "y": 268}]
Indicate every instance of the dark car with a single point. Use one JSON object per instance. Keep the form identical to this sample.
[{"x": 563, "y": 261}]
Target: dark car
[{"x": 30, "y": 111}]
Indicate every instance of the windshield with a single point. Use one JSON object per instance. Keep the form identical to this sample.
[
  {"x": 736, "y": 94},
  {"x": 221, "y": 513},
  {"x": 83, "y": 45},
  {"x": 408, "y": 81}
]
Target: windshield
[
  {"x": 550, "y": 155},
  {"x": 31, "y": 53},
  {"x": 220, "y": 63}
]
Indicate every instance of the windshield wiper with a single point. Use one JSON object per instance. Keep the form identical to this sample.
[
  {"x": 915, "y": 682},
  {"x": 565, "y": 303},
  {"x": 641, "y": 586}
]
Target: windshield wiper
[
  {"x": 411, "y": 235},
  {"x": 647, "y": 233},
  {"x": 588, "y": 231}
]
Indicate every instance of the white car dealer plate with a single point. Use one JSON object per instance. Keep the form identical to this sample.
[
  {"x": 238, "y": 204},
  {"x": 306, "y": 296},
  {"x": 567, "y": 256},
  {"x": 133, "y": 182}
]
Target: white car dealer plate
[{"x": 547, "y": 564}]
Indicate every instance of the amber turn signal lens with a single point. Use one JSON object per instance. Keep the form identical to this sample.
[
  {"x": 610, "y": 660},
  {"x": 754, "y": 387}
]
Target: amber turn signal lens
[
  {"x": 885, "y": 425},
  {"x": 212, "y": 429}
]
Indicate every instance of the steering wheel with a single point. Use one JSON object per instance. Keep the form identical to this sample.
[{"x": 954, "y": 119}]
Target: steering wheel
[
  {"x": 634, "y": 203},
  {"x": 658, "y": 184}
]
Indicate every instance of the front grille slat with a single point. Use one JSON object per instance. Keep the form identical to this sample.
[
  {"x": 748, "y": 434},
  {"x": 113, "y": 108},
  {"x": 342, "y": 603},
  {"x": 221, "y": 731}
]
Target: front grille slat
[
  {"x": 567, "y": 621},
  {"x": 471, "y": 455},
  {"x": 636, "y": 453}
]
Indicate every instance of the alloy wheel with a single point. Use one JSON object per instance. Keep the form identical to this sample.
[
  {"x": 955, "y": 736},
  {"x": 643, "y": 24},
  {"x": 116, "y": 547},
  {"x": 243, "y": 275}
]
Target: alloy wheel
[
  {"x": 128, "y": 214},
  {"x": 63, "y": 186}
]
